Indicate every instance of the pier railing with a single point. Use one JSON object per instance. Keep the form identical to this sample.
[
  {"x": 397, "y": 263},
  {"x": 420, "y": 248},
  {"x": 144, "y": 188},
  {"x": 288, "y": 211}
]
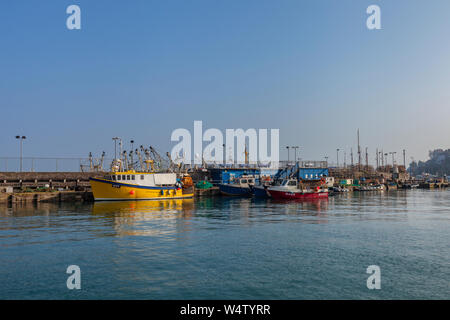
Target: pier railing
[
  {"x": 281, "y": 164},
  {"x": 55, "y": 164}
]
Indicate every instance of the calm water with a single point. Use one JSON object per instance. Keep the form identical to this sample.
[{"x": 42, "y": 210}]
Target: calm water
[{"x": 220, "y": 248}]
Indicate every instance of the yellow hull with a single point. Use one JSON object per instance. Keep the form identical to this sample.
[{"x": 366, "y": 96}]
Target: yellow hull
[{"x": 111, "y": 190}]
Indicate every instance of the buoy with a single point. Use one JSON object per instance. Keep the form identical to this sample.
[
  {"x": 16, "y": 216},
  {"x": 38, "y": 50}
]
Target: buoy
[{"x": 132, "y": 192}]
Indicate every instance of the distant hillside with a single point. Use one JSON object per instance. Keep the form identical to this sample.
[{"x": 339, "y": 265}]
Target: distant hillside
[{"x": 439, "y": 163}]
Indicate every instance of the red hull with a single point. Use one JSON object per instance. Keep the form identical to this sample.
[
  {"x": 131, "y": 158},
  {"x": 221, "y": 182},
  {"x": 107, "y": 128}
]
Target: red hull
[{"x": 297, "y": 195}]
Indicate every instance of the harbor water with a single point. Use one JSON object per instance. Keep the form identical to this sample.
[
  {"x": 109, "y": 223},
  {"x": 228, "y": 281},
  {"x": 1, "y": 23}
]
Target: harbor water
[{"x": 230, "y": 248}]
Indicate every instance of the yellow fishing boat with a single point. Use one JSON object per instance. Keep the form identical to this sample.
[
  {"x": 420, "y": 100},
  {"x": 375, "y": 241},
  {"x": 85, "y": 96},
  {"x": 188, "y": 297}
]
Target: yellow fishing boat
[{"x": 134, "y": 185}]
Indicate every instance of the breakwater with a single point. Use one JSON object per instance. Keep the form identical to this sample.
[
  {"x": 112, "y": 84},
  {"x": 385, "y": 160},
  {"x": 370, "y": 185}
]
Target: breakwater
[
  {"x": 52, "y": 180},
  {"x": 56, "y": 196}
]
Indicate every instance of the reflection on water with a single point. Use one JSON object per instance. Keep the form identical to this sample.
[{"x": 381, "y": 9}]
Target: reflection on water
[
  {"x": 144, "y": 218},
  {"x": 122, "y": 218},
  {"x": 172, "y": 206},
  {"x": 230, "y": 248},
  {"x": 26, "y": 209}
]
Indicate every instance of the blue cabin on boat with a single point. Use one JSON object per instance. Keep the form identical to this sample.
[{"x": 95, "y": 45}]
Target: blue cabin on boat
[
  {"x": 300, "y": 170},
  {"x": 226, "y": 175},
  {"x": 309, "y": 171},
  {"x": 312, "y": 173}
]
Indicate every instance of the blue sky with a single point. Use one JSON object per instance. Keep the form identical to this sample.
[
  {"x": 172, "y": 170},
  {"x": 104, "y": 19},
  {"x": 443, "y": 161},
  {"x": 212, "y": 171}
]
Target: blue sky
[{"x": 140, "y": 69}]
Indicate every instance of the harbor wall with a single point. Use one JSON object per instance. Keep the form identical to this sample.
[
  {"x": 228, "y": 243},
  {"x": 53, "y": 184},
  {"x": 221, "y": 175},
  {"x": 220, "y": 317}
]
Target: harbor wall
[
  {"x": 34, "y": 197},
  {"x": 55, "y": 180}
]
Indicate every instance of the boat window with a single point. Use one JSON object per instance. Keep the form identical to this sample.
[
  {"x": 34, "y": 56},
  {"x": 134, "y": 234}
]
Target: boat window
[
  {"x": 119, "y": 177},
  {"x": 284, "y": 183},
  {"x": 128, "y": 177},
  {"x": 133, "y": 177},
  {"x": 244, "y": 181},
  {"x": 250, "y": 181},
  {"x": 142, "y": 177},
  {"x": 292, "y": 183}
]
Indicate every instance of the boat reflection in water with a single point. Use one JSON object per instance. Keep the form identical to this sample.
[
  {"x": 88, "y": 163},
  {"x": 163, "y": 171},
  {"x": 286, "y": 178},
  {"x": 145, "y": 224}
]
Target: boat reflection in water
[
  {"x": 145, "y": 218},
  {"x": 143, "y": 206},
  {"x": 309, "y": 210}
]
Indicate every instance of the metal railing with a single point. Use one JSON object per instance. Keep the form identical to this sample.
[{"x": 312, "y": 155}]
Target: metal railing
[
  {"x": 53, "y": 164},
  {"x": 281, "y": 164}
]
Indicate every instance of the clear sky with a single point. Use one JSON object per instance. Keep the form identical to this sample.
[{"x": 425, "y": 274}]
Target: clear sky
[{"x": 140, "y": 69}]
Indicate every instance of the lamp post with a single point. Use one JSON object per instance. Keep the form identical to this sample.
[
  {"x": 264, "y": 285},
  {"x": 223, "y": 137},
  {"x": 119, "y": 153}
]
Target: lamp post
[
  {"x": 21, "y": 138},
  {"x": 337, "y": 158},
  {"x": 295, "y": 152},
  {"x": 131, "y": 154},
  {"x": 224, "y": 156},
  {"x": 288, "y": 153},
  {"x": 404, "y": 158}
]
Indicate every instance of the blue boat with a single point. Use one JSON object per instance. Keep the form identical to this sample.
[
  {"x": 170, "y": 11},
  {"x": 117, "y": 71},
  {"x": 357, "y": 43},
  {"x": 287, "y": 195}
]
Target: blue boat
[
  {"x": 260, "y": 191},
  {"x": 240, "y": 187}
]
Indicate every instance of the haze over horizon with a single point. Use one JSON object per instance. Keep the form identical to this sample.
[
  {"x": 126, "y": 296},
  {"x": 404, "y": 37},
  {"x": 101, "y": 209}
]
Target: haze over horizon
[{"x": 143, "y": 69}]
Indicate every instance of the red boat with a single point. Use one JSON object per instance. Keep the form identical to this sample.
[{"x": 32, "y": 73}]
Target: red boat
[{"x": 291, "y": 190}]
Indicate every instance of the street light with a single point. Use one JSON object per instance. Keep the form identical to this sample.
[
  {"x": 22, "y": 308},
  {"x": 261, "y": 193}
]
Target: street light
[
  {"x": 21, "y": 138},
  {"x": 337, "y": 158},
  {"x": 131, "y": 154},
  {"x": 295, "y": 154},
  {"x": 288, "y": 153},
  {"x": 224, "y": 154}
]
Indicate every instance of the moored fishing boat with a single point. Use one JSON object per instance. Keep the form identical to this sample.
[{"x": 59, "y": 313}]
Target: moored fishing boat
[
  {"x": 133, "y": 185},
  {"x": 260, "y": 191},
  {"x": 291, "y": 189},
  {"x": 240, "y": 186}
]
